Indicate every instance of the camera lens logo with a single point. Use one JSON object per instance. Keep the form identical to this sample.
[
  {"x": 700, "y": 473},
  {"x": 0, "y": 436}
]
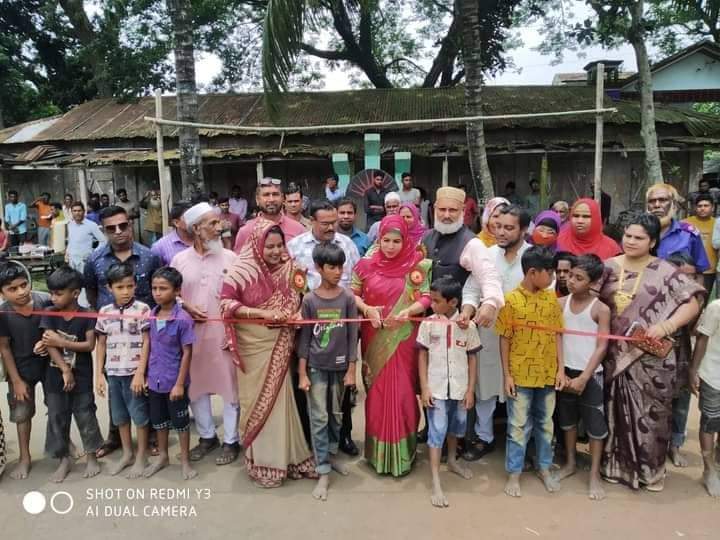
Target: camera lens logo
[{"x": 61, "y": 502}]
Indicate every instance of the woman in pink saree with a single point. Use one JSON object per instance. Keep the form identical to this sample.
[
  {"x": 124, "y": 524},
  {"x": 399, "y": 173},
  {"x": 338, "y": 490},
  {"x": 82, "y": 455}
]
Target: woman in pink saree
[
  {"x": 263, "y": 283},
  {"x": 392, "y": 284}
]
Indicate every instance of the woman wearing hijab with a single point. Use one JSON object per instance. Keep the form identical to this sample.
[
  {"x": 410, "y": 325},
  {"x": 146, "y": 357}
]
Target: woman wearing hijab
[
  {"x": 546, "y": 230},
  {"x": 411, "y": 215},
  {"x": 490, "y": 214},
  {"x": 391, "y": 285},
  {"x": 585, "y": 233}
]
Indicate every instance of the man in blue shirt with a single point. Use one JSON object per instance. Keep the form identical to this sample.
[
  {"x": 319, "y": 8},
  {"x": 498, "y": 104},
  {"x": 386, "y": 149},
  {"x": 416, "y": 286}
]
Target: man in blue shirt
[
  {"x": 676, "y": 236},
  {"x": 15, "y": 219},
  {"x": 347, "y": 211},
  {"x": 332, "y": 192}
]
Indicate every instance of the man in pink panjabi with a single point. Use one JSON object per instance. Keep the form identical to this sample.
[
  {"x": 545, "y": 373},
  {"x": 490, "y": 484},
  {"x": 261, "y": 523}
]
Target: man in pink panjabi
[{"x": 212, "y": 370}]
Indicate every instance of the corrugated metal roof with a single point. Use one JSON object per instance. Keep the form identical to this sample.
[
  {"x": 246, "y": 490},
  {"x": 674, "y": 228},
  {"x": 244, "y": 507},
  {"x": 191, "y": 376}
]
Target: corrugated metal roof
[{"x": 108, "y": 119}]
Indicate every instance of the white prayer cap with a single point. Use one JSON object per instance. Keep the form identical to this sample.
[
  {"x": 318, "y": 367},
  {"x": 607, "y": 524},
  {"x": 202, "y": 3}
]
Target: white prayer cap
[
  {"x": 393, "y": 196},
  {"x": 195, "y": 213}
]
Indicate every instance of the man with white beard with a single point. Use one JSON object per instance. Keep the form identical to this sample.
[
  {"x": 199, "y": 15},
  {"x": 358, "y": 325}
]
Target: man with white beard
[
  {"x": 212, "y": 370},
  {"x": 456, "y": 251}
]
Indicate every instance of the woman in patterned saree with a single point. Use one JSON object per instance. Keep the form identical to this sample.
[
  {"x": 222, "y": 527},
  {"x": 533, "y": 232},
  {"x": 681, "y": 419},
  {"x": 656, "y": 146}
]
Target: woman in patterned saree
[
  {"x": 392, "y": 284},
  {"x": 639, "y": 287},
  {"x": 263, "y": 283}
]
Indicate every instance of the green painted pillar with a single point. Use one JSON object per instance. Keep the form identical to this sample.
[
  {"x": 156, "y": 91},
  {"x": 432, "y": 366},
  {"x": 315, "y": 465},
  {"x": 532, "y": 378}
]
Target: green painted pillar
[
  {"x": 372, "y": 150},
  {"x": 402, "y": 165},
  {"x": 341, "y": 167}
]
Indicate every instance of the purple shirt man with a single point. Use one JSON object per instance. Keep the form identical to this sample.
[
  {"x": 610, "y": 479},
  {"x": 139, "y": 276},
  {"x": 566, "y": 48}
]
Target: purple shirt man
[
  {"x": 168, "y": 246},
  {"x": 167, "y": 338}
]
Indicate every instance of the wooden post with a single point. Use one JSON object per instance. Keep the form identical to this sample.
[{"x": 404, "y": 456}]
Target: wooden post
[
  {"x": 445, "y": 172},
  {"x": 165, "y": 190},
  {"x": 599, "y": 101},
  {"x": 259, "y": 172},
  {"x": 82, "y": 186}
]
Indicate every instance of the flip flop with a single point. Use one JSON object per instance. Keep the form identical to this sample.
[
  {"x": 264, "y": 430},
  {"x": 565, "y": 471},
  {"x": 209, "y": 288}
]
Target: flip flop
[{"x": 230, "y": 453}]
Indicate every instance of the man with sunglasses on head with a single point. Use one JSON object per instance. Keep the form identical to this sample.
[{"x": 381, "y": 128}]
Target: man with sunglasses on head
[
  {"x": 120, "y": 247},
  {"x": 269, "y": 200}
]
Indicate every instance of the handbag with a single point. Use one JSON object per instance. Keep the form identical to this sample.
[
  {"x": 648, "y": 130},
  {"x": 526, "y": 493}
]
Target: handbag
[{"x": 656, "y": 347}]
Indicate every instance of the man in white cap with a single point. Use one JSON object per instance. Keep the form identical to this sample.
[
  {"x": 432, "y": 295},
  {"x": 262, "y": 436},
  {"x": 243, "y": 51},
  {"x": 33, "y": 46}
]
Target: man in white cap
[
  {"x": 456, "y": 251},
  {"x": 212, "y": 370}
]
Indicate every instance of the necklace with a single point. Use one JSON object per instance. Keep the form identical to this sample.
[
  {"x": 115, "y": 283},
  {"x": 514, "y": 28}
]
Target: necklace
[{"x": 622, "y": 298}]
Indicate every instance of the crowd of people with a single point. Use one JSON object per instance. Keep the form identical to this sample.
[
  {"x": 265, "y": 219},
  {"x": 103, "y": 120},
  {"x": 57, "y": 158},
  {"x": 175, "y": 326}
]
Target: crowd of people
[{"x": 580, "y": 335}]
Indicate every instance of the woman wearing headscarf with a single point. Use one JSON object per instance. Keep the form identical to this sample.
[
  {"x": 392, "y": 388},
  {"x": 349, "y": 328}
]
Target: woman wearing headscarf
[
  {"x": 391, "y": 284},
  {"x": 585, "y": 233},
  {"x": 411, "y": 215},
  {"x": 263, "y": 283},
  {"x": 546, "y": 229},
  {"x": 489, "y": 217}
]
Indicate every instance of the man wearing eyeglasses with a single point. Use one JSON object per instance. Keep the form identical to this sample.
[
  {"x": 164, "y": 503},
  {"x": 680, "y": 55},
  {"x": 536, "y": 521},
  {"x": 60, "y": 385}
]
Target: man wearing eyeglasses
[
  {"x": 269, "y": 199},
  {"x": 323, "y": 219}
]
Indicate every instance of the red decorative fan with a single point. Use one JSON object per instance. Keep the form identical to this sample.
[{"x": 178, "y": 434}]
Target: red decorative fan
[{"x": 363, "y": 181}]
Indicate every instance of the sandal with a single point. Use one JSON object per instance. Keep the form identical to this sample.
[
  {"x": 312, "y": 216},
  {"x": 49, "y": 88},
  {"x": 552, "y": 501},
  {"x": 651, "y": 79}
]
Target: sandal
[
  {"x": 203, "y": 448},
  {"x": 230, "y": 453},
  {"x": 107, "y": 448}
]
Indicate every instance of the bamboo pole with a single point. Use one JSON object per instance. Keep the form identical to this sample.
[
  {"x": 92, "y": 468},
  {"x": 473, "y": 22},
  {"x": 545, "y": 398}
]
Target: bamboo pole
[
  {"x": 365, "y": 125},
  {"x": 82, "y": 186},
  {"x": 599, "y": 126},
  {"x": 165, "y": 193}
]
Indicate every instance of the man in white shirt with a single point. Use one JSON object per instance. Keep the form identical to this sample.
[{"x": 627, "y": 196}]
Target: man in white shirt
[
  {"x": 238, "y": 205},
  {"x": 408, "y": 193},
  {"x": 323, "y": 220},
  {"x": 82, "y": 233},
  {"x": 510, "y": 234},
  {"x": 332, "y": 190}
]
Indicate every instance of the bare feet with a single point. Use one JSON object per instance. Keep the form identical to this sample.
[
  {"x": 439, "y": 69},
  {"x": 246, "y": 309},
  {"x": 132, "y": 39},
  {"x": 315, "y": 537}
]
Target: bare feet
[
  {"x": 551, "y": 483},
  {"x": 678, "y": 460},
  {"x": 159, "y": 464},
  {"x": 438, "y": 498},
  {"x": 567, "y": 470},
  {"x": 75, "y": 452},
  {"x": 712, "y": 482},
  {"x": 125, "y": 461},
  {"x": 21, "y": 470},
  {"x": 92, "y": 467},
  {"x": 321, "y": 489},
  {"x": 595, "y": 489},
  {"x": 188, "y": 472},
  {"x": 338, "y": 466},
  {"x": 461, "y": 470},
  {"x": 137, "y": 470},
  {"x": 62, "y": 471},
  {"x": 512, "y": 486}
]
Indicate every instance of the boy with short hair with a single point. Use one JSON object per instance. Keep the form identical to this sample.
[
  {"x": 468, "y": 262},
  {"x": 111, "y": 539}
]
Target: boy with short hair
[
  {"x": 533, "y": 367},
  {"x": 168, "y": 366},
  {"x": 120, "y": 345},
  {"x": 23, "y": 354},
  {"x": 447, "y": 368},
  {"x": 583, "y": 396},
  {"x": 329, "y": 349},
  {"x": 70, "y": 340},
  {"x": 705, "y": 383}
]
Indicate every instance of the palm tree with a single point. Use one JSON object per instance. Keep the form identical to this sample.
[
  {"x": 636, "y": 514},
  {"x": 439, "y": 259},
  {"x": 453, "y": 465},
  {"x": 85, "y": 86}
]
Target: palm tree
[{"x": 191, "y": 172}]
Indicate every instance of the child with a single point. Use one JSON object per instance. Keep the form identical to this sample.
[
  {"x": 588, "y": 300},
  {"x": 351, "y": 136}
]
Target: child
[
  {"x": 448, "y": 367},
  {"x": 563, "y": 262},
  {"x": 532, "y": 365},
  {"x": 583, "y": 396},
  {"x": 70, "y": 341},
  {"x": 168, "y": 364},
  {"x": 330, "y": 351},
  {"x": 705, "y": 382},
  {"x": 121, "y": 343},
  {"x": 23, "y": 353},
  {"x": 683, "y": 356}
]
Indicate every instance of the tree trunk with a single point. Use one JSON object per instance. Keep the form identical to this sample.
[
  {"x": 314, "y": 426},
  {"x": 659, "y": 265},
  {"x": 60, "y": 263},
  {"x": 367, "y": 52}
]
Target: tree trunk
[
  {"x": 469, "y": 13},
  {"x": 191, "y": 172},
  {"x": 653, "y": 163}
]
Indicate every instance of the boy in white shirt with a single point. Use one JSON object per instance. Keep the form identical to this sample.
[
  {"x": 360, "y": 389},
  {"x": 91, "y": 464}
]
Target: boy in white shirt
[
  {"x": 447, "y": 365},
  {"x": 704, "y": 378}
]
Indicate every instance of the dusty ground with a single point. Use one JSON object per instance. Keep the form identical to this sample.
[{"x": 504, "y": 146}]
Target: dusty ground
[{"x": 361, "y": 505}]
